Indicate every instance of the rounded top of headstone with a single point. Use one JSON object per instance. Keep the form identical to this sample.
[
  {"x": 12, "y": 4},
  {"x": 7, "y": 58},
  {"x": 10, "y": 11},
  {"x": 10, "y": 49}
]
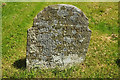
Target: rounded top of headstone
[{"x": 62, "y": 12}]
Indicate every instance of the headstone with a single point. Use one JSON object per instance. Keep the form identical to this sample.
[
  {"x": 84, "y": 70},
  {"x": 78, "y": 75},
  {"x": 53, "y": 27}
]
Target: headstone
[{"x": 59, "y": 37}]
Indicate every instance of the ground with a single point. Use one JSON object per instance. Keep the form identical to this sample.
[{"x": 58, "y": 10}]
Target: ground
[{"x": 101, "y": 61}]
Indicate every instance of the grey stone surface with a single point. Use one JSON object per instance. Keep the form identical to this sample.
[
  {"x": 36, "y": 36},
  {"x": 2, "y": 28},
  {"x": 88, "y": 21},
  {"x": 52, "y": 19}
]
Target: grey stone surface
[{"x": 59, "y": 37}]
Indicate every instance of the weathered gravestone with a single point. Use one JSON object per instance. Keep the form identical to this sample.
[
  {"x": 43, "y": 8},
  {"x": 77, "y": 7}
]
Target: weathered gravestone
[{"x": 59, "y": 37}]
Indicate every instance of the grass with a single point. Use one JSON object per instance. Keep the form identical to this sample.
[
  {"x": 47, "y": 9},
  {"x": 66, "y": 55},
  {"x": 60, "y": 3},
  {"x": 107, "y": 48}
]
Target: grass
[{"x": 102, "y": 59}]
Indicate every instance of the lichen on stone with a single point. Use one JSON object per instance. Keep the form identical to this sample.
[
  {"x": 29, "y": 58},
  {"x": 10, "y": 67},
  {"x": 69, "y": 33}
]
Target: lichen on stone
[{"x": 59, "y": 37}]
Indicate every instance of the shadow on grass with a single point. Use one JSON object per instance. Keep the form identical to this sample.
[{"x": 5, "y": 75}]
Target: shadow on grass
[
  {"x": 20, "y": 64},
  {"x": 118, "y": 62}
]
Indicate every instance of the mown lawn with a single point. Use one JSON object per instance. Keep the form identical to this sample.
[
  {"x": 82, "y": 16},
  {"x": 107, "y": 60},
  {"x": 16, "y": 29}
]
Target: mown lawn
[{"x": 102, "y": 59}]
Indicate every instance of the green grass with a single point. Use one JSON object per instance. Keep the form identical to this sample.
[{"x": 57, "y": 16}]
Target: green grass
[{"x": 101, "y": 56}]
